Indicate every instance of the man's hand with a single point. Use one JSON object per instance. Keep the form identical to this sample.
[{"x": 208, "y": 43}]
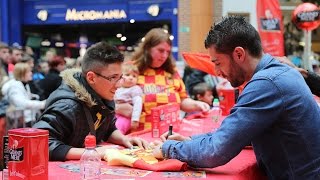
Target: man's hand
[
  {"x": 287, "y": 61},
  {"x": 129, "y": 142},
  {"x": 157, "y": 152},
  {"x": 174, "y": 136},
  {"x": 156, "y": 149}
]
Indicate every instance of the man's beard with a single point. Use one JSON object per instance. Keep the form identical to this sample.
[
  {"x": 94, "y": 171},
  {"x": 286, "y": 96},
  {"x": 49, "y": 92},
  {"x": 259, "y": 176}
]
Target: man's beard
[{"x": 236, "y": 74}]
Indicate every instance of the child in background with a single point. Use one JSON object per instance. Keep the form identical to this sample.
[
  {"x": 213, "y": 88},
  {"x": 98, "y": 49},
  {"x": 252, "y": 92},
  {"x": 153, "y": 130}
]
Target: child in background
[
  {"x": 131, "y": 93},
  {"x": 202, "y": 92}
]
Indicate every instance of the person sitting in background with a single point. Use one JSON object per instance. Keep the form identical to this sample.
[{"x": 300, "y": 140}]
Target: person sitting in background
[
  {"x": 202, "y": 92},
  {"x": 52, "y": 80},
  {"x": 15, "y": 54},
  {"x": 196, "y": 76},
  {"x": 17, "y": 92},
  {"x": 84, "y": 104},
  {"x": 15, "y": 57},
  {"x": 130, "y": 93},
  {"x": 276, "y": 111},
  {"x": 34, "y": 85},
  {"x": 4, "y": 59},
  {"x": 312, "y": 79},
  {"x": 28, "y": 59},
  {"x": 159, "y": 80},
  {"x": 41, "y": 70}
]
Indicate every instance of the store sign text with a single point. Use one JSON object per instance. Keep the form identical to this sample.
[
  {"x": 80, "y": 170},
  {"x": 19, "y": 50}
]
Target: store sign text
[{"x": 74, "y": 15}]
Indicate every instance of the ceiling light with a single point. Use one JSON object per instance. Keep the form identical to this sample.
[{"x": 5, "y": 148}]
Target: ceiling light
[
  {"x": 59, "y": 44},
  {"x": 45, "y": 43}
]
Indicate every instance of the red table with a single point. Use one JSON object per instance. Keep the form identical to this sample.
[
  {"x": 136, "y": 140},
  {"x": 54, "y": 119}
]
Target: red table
[{"x": 243, "y": 166}]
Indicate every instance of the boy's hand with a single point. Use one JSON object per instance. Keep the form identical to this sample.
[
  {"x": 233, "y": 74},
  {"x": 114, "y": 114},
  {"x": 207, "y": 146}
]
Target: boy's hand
[{"x": 131, "y": 141}]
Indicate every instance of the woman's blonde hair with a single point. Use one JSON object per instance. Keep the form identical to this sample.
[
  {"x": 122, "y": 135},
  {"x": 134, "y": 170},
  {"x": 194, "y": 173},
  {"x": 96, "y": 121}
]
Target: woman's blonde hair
[
  {"x": 142, "y": 57},
  {"x": 20, "y": 70}
]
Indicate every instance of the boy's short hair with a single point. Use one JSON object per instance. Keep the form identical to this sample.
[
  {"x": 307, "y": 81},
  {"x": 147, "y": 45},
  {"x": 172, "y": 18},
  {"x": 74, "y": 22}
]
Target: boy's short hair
[
  {"x": 99, "y": 55},
  {"x": 200, "y": 89}
]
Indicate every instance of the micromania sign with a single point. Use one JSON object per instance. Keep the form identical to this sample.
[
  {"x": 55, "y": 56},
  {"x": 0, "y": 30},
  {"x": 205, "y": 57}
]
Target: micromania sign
[{"x": 85, "y": 15}]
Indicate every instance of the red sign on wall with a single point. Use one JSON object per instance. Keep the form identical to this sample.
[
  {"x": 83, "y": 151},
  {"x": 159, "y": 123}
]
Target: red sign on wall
[{"x": 270, "y": 27}]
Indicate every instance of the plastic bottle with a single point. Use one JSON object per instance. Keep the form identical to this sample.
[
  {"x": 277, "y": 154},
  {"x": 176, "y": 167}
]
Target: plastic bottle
[
  {"x": 90, "y": 160},
  {"x": 216, "y": 110}
]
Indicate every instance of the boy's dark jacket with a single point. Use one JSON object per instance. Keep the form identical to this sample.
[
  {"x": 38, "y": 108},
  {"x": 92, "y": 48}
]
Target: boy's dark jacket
[{"x": 65, "y": 119}]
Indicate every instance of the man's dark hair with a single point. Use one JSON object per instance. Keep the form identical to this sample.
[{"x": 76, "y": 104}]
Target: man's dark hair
[
  {"x": 234, "y": 31},
  {"x": 99, "y": 55}
]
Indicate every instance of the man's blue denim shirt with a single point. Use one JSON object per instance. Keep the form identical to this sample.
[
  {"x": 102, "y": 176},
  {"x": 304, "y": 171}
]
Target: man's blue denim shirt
[{"x": 277, "y": 113}]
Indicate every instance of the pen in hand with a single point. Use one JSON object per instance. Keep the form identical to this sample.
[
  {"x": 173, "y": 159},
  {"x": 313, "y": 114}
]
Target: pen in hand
[{"x": 170, "y": 131}]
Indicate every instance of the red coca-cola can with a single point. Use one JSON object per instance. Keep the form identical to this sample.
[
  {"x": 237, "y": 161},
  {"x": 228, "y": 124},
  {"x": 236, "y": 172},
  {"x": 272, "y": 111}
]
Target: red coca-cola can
[{"x": 28, "y": 154}]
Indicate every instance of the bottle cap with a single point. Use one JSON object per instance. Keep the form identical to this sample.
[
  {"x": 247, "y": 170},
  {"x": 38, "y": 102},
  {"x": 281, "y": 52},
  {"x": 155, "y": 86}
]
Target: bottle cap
[
  {"x": 90, "y": 141},
  {"x": 216, "y": 102}
]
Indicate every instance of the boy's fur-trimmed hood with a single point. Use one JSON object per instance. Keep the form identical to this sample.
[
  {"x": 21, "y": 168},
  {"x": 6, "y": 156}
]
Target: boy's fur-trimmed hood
[{"x": 79, "y": 90}]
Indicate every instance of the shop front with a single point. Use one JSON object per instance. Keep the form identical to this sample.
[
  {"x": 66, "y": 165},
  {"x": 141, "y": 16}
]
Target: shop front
[{"x": 71, "y": 25}]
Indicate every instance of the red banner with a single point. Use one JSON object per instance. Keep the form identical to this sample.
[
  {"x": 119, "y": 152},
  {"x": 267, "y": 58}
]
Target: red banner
[{"x": 270, "y": 26}]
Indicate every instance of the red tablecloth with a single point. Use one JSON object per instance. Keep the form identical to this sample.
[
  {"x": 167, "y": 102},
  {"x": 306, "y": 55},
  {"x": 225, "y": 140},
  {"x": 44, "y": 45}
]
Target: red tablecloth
[{"x": 243, "y": 166}]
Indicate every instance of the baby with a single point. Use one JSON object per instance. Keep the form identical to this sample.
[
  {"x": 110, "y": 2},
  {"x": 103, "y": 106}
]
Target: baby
[{"x": 130, "y": 93}]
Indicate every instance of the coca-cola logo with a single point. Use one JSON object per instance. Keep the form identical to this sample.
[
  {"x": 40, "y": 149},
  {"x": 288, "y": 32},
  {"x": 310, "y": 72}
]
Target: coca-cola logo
[
  {"x": 272, "y": 24},
  {"x": 308, "y": 16},
  {"x": 16, "y": 154}
]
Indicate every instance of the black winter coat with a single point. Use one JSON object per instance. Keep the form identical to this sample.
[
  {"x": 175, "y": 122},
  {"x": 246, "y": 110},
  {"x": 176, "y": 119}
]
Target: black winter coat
[{"x": 65, "y": 119}]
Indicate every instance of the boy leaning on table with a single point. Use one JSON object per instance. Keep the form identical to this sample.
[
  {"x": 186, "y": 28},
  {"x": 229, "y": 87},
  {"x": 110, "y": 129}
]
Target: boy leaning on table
[
  {"x": 276, "y": 111},
  {"x": 84, "y": 104}
]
